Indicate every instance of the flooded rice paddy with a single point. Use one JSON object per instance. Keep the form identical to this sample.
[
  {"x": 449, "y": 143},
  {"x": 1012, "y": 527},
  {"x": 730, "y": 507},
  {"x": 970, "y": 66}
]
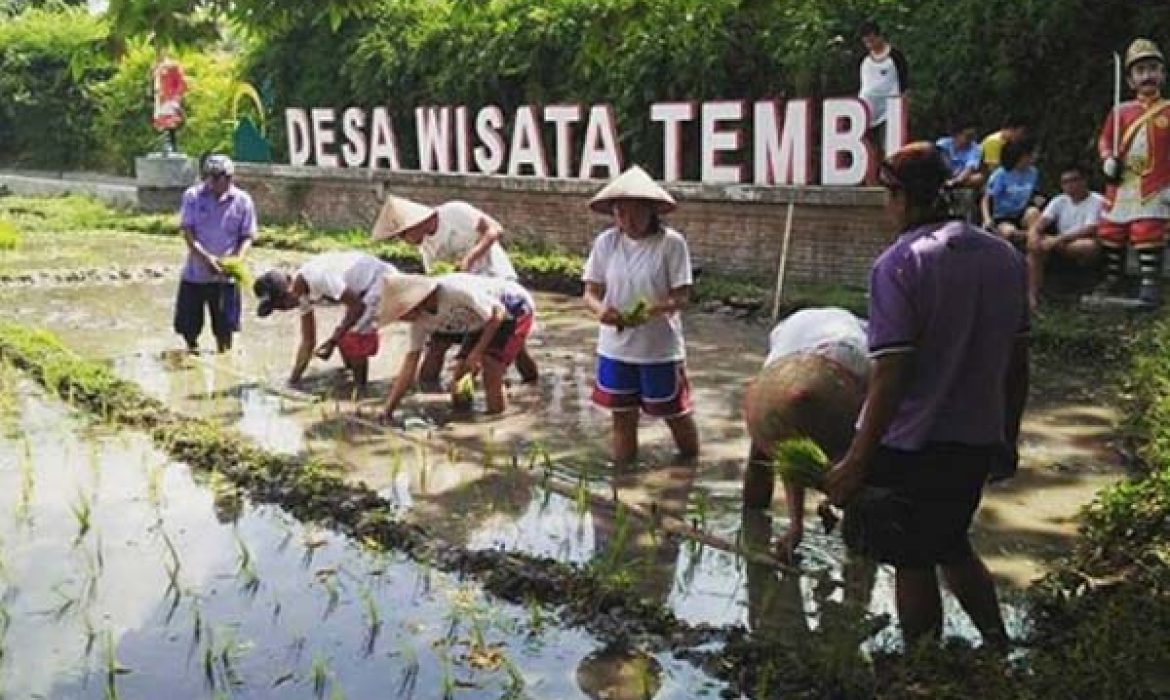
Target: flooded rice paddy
[{"x": 262, "y": 604}]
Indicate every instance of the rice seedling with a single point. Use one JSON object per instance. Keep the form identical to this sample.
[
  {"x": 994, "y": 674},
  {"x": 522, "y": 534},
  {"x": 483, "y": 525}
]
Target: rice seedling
[
  {"x": 10, "y": 238},
  {"x": 328, "y": 580},
  {"x": 410, "y": 671},
  {"x": 699, "y": 507},
  {"x": 514, "y": 687},
  {"x": 154, "y": 475},
  {"x": 420, "y": 453},
  {"x": 319, "y": 673},
  {"x": 536, "y": 622},
  {"x": 246, "y": 567},
  {"x": 82, "y": 510},
  {"x": 581, "y": 496},
  {"x": 230, "y": 652},
  {"x": 173, "y": 566},
  {"x": 489, "y": 450},
  {"x": 112, "y": 666},
  {"x": 28, "y": 485},
  {"x": 801, "y": 461},
  {"x": 447, "y": 685}
]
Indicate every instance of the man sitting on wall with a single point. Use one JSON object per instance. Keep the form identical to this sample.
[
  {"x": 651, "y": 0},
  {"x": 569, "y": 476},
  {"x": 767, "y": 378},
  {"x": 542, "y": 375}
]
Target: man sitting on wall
[{"x": 1067, "y": 228}]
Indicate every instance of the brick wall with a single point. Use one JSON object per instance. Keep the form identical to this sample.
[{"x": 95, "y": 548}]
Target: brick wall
[{"x": 836, "y": 232}]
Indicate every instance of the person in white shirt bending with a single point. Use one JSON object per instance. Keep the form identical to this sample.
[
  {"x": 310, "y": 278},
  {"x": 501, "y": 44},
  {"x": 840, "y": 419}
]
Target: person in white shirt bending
[
  {"x": 1068, "y": 228},
  {"x": 455, "y": 234},
  {"x": 493, "y": 316},
  {"x": 352, "y": 279},
  {"x": 637, "y": 281}
]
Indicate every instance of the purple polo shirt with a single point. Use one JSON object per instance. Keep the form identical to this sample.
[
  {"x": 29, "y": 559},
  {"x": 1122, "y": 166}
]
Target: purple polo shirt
[
  {"x": 219, "y": 226},
  {"x": 956, "y": 297}
]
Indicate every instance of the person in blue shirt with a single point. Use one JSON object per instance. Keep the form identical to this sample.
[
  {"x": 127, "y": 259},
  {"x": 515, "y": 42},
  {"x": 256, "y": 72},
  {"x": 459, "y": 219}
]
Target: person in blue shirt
[
  {"x": 964, "y": 157},
  {"x": 1007, "y": 203}
]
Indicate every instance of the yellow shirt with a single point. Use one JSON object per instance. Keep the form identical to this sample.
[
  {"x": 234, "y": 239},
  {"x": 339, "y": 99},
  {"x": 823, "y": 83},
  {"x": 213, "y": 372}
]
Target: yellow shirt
[{"x": 992, "y": 148}]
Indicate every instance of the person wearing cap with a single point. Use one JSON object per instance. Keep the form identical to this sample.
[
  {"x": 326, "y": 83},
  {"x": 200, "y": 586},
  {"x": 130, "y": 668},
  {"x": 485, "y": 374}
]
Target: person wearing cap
[
  {"x": 947, "y": 336},
  {"x": 493, "y": 316},
  {"x": 637, "y": 282},
  {"x": 454, "y": 233},
  {"x": 1137, "y": 197},
  {"x": 811, "y": 385},
  {"x": 351, "y": 279},
  {"x": 218, "y": 220}
]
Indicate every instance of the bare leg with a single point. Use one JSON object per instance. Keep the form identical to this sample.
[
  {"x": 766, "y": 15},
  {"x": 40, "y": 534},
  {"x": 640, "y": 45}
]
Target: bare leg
[
  {"x": 361, "y": 372},
  {"x": 526, "y": 366},
  {"x": 625, "y": 436},
  {"x": 493, "y": 385},
  {"x": 430, "y": 371},
  {"x": 686, "y": 435},
  {"x": 1036, "y": 259},
  {"x": 971, "y": 583},
  {"x": 919, "y": 603},
  {"x": 759, "y": 481}
]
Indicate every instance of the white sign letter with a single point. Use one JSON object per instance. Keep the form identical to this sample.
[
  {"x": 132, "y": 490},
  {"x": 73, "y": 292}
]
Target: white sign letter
[
  {"x": 323, "y": 137},
  {"x": 781, "y": 156},
  {"x": 844, "y": 152},
  {"x": 715, "y": 141},
  {"x": 383, "y": 144},
  {"x": 895, "y": 123},
  {"x": 527, "y": 148},
  {"x": 433, "y": 128},
  {"x": 489, "y": 157},
  {"x": 353, "y": 123},
  {"x": 296, "y": 123},
  {"x": 672, "y": 114},
  {"x": 600, "y": 149},
  {"x": 462, "y": 141},
  {"x": 561, "y": 117}
]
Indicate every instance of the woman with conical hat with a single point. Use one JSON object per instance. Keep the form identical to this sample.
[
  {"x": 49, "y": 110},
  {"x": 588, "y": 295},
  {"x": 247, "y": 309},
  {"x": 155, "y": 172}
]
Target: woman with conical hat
[
  {"x": 637, "y": 282},
  {"x": 454, "y": 233},
  {"x": 494, "y": 317}
]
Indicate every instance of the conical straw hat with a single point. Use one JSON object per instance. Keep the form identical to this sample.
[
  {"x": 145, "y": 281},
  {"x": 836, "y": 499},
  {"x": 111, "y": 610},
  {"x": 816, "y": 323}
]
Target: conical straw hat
[
  {"x": 634, "y": 183},
  {"x": 397, "y": 215},
  {"x": 803, "y": 395},
  {"x": 401, "y": 294}
]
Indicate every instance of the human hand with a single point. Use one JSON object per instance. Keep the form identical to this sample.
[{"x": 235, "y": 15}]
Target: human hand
[
  {"x": 611, "y": 317},
  {"x": 473, "y": 364},
  {"x": 787, "y": 543},
  {"x": 213, "y": 263},
  {"x": 465, "y": 264},
  {"x": 1111, "y": 166},
  {"x": 325, "y": 350},
  {"x": 844, "y": 480}
]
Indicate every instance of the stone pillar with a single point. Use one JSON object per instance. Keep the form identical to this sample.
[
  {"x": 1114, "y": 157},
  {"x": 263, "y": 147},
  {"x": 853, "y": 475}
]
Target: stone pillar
[{"x": 161, "y": 180}]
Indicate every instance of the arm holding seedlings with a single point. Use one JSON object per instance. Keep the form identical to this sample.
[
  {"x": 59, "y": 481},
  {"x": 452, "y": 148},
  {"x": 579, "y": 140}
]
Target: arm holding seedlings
[
  {"x": 474, "y": 362},
  {"x": 196, "y": 248},
  {"x": 487, "y": 234},
  {"x": 355, "y": 309},
  {"x": 677, "y": 301},
  {"x": 594, "y": 297},
  {"x": 888, "y": 384},
  {"x": 402, "y": 382}
]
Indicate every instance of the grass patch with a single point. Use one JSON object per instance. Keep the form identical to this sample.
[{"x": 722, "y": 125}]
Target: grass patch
[{"x": 9, "y": 235}]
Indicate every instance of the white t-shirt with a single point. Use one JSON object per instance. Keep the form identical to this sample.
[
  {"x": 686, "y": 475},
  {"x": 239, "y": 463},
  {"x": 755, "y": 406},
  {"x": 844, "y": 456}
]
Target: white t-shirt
[
  {"x": 830, "y": 332},
  {"x": 456, "y": 234},
  {"x": 648, "y": 268},
  {"x": 879, "y": 82},
  {"x": 465, "y": 304},
  {"x": 329, "y": 275},
  {"x": 1069, "y": 215}
]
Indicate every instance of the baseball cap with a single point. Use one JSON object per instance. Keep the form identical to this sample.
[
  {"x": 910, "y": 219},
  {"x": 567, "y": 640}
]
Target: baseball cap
[
  {"x": 218, "y": 164},
  {"x": 268, "y": 288}
]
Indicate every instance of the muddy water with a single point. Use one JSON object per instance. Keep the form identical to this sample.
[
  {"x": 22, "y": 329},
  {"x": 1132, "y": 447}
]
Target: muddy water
[
  {"x": 123, "y": 576},
  {"x": 454, "y": 472}
]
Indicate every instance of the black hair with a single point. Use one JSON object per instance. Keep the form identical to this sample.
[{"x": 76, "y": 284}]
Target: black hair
[
  {"x": 1074, "y": 168},
  {"x": 1014, "y": 150},
  {"x": 869, "y": 28},
  {"x": 919, "y": 171}
]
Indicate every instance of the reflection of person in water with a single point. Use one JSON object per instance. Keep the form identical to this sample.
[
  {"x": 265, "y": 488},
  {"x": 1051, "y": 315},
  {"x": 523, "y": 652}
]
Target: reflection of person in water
[{"x": 619, "y": 673}]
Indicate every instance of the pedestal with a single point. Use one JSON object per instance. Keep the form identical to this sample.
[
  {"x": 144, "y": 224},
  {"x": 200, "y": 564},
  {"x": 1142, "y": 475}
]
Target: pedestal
[{"x": 161, "y": 180}]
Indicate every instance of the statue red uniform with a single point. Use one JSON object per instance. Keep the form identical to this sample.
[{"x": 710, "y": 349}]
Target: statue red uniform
[{"x": 1137, "y": 208}]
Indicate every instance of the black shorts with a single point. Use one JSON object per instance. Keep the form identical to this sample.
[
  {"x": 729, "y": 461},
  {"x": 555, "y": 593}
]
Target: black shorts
[
  {"x": 1017, "y": 221},
  {"x": 932, "y": 495},
  {"x": 222, "y": 301}
]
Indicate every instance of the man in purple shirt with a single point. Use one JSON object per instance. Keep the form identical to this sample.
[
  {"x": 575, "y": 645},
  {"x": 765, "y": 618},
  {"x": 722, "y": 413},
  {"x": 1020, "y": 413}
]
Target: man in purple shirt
[
  {"x": 218, "y": 220},
  {"x": 948, "y": 338}
]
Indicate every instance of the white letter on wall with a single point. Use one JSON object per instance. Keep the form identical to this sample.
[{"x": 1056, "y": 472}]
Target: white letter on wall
[
  {"x": 527, "y": 148},
  {"x": 715, "y": 141},
  {"x": 895, "y": 123},
  {"x": 672, "y": 114},
  {"x": 323, "y": 137},
  {"x": 383, "y": 143},
  {"x": 844, "y": 152},
  {"x": 600, "y": 149},
  {"x": 433, "y": 128},
  {"x": 300, "y": 145},
  {"x": 353, "y": 123},
  {"x": 781, "y": 156},
  {"x": 462, "y": 141},
  {"x": 489, "y": 157},
  {"x": 562, "y": 117}
]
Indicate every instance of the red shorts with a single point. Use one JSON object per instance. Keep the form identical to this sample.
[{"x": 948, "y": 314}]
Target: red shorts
[
  {"x": 1141, "y": 233},
  {"x": 506, "y": 344},
  {"x": 358, "y": 346}
]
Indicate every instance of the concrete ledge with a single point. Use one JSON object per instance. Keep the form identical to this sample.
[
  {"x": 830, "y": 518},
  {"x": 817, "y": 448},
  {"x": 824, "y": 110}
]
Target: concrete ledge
[
  {"x": 689, "y": 191},
  {"x": 119, "y": 192}
]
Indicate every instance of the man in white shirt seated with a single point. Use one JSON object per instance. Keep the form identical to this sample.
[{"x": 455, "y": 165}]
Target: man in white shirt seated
[
  {"x": 453, "y": 233},
  {"x": 1068, "y": 228},
  {"x": 351, "y": 279}
]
